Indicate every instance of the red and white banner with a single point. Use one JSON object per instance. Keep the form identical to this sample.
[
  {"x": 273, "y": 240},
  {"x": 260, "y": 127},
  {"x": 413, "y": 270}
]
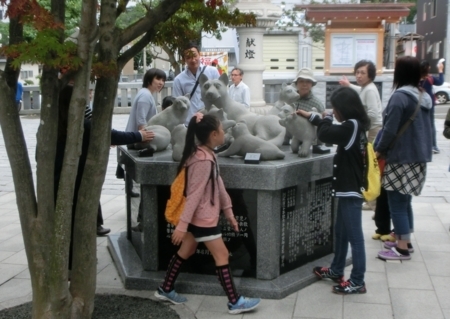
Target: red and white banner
[{"x": 217, "y": 59}]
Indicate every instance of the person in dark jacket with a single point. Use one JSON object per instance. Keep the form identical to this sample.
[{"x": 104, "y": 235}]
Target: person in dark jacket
[
  {"x": 406, "y": 160},
  {"x": 117, "y": 138},
  {"x": 349, "y": 180},
  {"x": 426, "y": 82}
]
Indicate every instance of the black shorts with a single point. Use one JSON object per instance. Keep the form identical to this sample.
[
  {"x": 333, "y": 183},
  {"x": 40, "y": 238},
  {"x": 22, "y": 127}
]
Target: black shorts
[{"x": 202, "y": 234}]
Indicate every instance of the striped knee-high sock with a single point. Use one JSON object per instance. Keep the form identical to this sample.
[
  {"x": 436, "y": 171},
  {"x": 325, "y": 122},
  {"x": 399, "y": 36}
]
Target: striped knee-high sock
[
  {"x": 172, "y": 273},
  {"x": 226, "y": 280}
]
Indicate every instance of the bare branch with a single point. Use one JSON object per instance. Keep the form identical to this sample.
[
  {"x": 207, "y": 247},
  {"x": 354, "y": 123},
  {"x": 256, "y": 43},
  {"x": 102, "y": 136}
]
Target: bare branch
[{"x": 153, "y": 17}]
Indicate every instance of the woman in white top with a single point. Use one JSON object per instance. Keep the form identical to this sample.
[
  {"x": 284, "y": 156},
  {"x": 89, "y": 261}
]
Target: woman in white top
[{"x": 365, "y": 72}]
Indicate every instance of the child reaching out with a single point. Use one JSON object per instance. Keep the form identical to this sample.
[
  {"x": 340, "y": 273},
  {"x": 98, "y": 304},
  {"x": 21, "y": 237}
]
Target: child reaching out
[
  {"x": 348, "y": 181},
  {"x": 199, "y": 222}
]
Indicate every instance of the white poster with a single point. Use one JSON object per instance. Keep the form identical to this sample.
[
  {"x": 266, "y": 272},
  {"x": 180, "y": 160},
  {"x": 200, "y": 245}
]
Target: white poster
[
  {"x": 342, "y": 51},
  {"x": 366, "y": 49}
]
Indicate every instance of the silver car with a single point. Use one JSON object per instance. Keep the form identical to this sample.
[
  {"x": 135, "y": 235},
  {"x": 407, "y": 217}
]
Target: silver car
[{"x": 442, "y": 93}]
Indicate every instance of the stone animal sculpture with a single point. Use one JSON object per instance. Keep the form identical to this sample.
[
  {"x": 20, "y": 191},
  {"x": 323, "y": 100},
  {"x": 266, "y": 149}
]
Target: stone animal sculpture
[
  {"x": 302, "y": 131},
  {"x": 173, "y": 115},
  {"x": 265, "y": 127},
  {"x": 178, "y": 140},
  {"x": 244, "y": 143},
  {"x": 159, "y": 142},
  {"x": 227, "y": 124},
  {"x": 288, "y": 95}
]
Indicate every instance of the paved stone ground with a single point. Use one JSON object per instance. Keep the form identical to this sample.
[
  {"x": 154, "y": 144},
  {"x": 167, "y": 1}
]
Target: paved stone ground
[{"x": 419, "y": 288}]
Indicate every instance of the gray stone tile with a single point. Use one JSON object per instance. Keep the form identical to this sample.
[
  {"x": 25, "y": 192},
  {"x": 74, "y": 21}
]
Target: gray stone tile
[
  {"x": 310, "y": 301},
  {"x": 9, "y": 226},
  {"x": 446, "y": 312},
  {"x": 5, "y": 254},
  {"x": 354, "y": 310},
  {"x": 441, "y": 286},
  {"x": 428, "y": 224},
  {"x": 14, "y": 243},
  {"x": 19, "y": 258},
  {"x": 424, "y": 209},
  {"x": 109, "y": 278},
  {"x": 377, "y": 289},
  {"x": 435, "y": 260},
  {"x": 15, "y": 288},
  {"x": 24, "y": 275},
  {"x": 216, "y": 304},
  {"x": 280, "y": 309},
  {"x": 433, "y": 241},
  {"x": 400, "y": 276},
  {"x": 373, "y": 264},
  {"x": 194, "y": 302},
  {"x": 216, "y": 315},
  {"x": 415, "y": 304},
  {"x": 8, "y": 271}
]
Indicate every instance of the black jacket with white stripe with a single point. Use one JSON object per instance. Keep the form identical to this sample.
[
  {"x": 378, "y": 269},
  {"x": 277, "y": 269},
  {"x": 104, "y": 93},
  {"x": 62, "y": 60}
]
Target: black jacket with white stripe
[{"x": 349, "y": 161}]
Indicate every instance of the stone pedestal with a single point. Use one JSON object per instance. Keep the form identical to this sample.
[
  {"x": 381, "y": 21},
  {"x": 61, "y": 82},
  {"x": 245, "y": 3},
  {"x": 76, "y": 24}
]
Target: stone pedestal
[{"x": 285, "y": 213}]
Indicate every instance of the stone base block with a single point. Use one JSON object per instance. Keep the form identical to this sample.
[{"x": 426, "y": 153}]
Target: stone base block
[{"x": 133, "y": 276}]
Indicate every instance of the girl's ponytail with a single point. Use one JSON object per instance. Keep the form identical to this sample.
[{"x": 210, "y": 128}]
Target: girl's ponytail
[{"x": 189, "y": 147}]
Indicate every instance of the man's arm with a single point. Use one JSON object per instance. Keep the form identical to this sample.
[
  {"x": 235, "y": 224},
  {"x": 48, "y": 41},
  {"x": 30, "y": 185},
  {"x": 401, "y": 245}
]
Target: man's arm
[{"x": 177, "y": 90}]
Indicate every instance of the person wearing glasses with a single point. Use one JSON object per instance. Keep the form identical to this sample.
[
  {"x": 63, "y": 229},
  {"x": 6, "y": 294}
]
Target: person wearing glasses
[{"x": 239, "y": 91}]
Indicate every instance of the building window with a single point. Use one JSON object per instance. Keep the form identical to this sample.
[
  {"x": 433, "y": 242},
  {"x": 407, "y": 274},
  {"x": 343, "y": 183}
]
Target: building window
[
  {"x": 429, "y": 47},
  {"x": 424, "y": 14},
  {"x": 26, "y": 74},
  {"x": 433, "y": 10},
  {"x": 436, "y": 50}
]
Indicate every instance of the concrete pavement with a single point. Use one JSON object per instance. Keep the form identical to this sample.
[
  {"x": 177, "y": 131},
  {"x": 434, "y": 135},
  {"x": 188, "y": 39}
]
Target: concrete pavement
[{"x": 419, "y": 288}]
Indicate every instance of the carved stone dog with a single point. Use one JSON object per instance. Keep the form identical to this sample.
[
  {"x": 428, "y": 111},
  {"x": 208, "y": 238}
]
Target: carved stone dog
[
  {"x": 288, "y": 95},
  {"x": 265, "y": 127},
  {"x": 302, "y": 131},
  {"x": 226, "y": 123},
  {"x": 173, "y": 115},
  {"x": 245, "y": 143},
  {"x": 159, "y": 142}
]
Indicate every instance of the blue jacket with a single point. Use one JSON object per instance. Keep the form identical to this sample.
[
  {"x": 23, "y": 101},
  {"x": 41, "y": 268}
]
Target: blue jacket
[
  {"x": 428, "y": 83},
  {"x": 415, "y": 144}
]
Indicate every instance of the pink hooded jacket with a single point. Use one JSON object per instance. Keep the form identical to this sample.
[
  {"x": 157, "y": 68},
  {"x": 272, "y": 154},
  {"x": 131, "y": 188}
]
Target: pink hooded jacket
[{"x": 202, "y": 208}]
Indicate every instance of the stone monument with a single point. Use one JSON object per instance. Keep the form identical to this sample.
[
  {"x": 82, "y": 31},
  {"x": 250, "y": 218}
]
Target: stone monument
[{"x": 251, "y": 45}]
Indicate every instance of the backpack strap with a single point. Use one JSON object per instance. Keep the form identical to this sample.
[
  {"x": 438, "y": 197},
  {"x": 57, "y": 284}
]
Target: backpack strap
[
  {"x": 185, "y": 180},
  {"x": 211, "y": 177}
]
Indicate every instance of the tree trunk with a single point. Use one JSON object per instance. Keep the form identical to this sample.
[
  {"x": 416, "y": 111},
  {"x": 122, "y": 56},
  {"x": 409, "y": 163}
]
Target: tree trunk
[{"x": 84, "y": 264}]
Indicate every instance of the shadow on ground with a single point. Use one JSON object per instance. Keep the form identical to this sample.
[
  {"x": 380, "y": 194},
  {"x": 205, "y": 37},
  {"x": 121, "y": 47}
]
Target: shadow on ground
[{"x": 109, "y": 307}]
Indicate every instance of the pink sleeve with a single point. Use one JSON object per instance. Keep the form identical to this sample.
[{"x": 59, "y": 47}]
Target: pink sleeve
[
  {"x": 198, "y": 177},
  {"x": 225, "y": 201}
]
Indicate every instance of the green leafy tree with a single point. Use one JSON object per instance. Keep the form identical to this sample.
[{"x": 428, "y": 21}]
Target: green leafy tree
[{"x": 101, "y": 50}]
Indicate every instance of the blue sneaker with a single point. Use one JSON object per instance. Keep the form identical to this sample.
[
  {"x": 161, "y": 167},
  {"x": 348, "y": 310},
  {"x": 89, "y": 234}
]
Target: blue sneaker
[
  {"x": 172, "y": 296},
  {"x": 243, "y": 305}
]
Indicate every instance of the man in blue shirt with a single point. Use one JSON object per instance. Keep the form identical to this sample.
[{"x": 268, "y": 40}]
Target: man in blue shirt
[
  {"x": 184, "y": 82},
  {"x": 19, "y": 91}
]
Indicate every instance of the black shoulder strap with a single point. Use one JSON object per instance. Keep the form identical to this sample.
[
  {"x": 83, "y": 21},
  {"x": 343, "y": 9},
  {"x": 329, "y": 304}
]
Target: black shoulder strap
[{"x": 196, "y": 82}]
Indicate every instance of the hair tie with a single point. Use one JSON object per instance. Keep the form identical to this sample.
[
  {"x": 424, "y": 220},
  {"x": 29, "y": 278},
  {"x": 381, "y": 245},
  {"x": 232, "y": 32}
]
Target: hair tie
[{"x": 199, "y": 117}]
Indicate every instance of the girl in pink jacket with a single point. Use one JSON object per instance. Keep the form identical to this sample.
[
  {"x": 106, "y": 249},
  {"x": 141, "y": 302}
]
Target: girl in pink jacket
[{"x": 199, "y": 222}]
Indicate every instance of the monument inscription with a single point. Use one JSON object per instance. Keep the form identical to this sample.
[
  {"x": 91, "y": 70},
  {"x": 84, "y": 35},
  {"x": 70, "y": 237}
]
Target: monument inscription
[{"x": 306, "y": 223}]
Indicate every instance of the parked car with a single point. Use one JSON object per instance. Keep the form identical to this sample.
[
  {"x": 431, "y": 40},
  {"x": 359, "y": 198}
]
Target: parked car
[{"x": 442, "y": 93}]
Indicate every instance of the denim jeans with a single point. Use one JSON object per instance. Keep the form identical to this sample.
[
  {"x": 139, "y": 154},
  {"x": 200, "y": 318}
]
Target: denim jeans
[
  {"x": 348, "y": 229},
  {"x": 401, "y": 214},
  {"x": 433, "y": 126}
]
